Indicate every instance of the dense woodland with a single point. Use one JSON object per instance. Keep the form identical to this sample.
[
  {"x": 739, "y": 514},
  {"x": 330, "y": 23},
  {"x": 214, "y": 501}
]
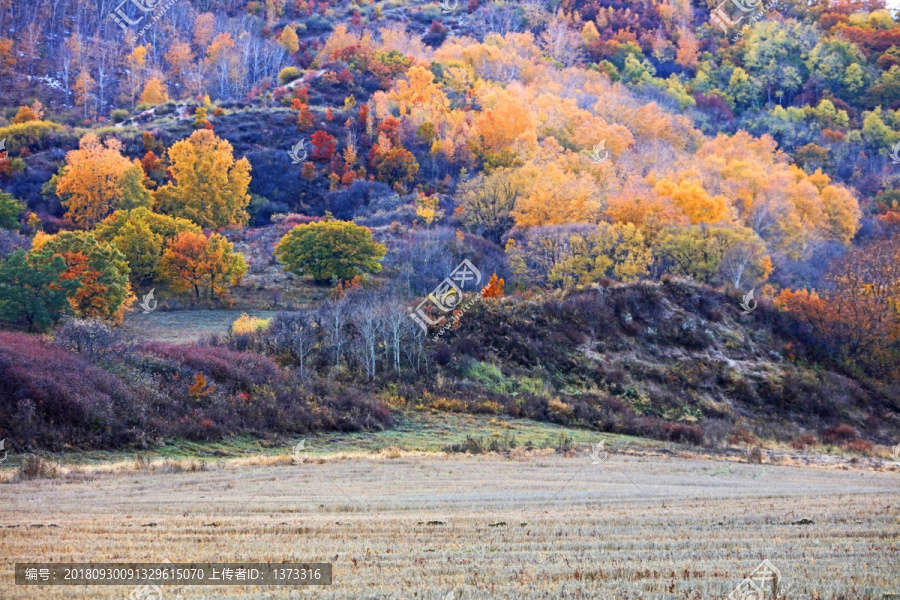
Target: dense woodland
[{"x": 622, "y": 173}]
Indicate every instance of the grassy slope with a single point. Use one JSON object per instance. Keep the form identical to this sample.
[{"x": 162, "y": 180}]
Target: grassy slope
[{"x": 424, "y": 431}]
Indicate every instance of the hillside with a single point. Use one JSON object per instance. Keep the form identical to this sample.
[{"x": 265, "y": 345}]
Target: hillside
[
  {"x": 671, "y": 361},
  {"x": 622, "y": 175}
]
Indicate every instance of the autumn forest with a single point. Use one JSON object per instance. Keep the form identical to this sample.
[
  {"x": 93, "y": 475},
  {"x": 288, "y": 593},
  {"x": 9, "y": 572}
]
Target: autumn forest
[{"x": 684, "y": 229}]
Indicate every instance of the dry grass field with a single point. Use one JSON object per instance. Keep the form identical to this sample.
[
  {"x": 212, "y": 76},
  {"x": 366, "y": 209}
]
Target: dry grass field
[
  {"x": 183, "y": 326},
  {"x": 531, "y": 525}
]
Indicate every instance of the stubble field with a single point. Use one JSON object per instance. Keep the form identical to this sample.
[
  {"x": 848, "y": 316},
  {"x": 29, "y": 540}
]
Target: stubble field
[{"x": 527, "y": 526}]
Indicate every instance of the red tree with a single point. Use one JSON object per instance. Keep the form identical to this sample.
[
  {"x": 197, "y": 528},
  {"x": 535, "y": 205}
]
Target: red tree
[{"x": 323, "y": 146}]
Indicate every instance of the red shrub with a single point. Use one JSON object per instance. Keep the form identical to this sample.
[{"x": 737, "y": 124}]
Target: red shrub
[
  {"x": 223, "y": 366},
  {"x": 52, "y": 397},
  {"x": 839, "y": 435},
  {"x": 803, "y": 442},
  {"x": 861, "y": 446}
]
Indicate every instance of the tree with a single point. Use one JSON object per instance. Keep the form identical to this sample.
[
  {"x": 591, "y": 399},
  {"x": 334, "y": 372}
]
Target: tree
[
  {"x": 24, "y": 115},
  {"x": 210, "y": 187},
  {"x": 567, "y": 255},
  {"x": 141, "y": 235},
  {"x": 859, "y": 315},
  {"x": 695, "y": 202},
  {"x": 589, "y": 33},
  {"x": 329, "y": 250},
  {"x": 191, "y": 261},
  {"x": 323, "y": 146},
  {"x": 10, "y": 211},
  {"x": 101, "y": 274},
  {"x": 31, "y": 290},
  {"x": 97, "y": 179},
  {"x": 295, "y": 334},
  {"x": 289, "y": 40},
  {"x": 427, "y": 208},
  {"x": 154, "y": 93},
  {"x": 687, "y": 49},
  {"x": 713, "y": 254},
  {"x": 397, "y": 165},
  {"x": 487, "y": 204}
]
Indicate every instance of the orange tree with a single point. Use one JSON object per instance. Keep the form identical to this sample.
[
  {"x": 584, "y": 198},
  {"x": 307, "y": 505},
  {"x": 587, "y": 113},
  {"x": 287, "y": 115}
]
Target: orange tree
[
  {"x": 192, "y": 261},
  {"x": 97, "y": 179}
]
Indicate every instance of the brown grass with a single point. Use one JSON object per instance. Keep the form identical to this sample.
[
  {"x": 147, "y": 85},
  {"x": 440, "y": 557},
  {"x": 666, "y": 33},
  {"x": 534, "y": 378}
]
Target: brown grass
[{"x": 629, "y": 527}]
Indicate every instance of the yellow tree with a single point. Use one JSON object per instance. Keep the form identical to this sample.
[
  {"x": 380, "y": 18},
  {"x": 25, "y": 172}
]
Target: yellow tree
[
  {"x": 688, "y": 194},
  {"x": 154, "y": 93},
  {"x": 97, "y": 179},
  {"x": 84, "y": 87},
  {"x": 209, "y": 186},
  {"x": 289, "y": 40},
  {"x": 554, "y": 196}
]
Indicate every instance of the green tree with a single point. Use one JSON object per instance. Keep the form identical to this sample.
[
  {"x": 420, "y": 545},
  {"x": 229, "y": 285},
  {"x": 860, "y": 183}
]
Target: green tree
[
  {"x": 10, "y": 210},
  {"x": 141, "y": 235},
  {"x": 330, "y": 250},
  {"x": 488, "y": 202},
  {"x": 100, "y": 272},
  {"x": 713, "y": 254},
  {"x": 31, "y": 289}
]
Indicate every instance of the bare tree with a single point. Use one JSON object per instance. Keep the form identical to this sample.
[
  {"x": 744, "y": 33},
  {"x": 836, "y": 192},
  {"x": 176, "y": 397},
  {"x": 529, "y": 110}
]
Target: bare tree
[
  {"x": 298, "y": 334},
  {"x": 335, "y": 316},
  {"x": 366, "y": 319},
  {"x": 394, "y": 319}
]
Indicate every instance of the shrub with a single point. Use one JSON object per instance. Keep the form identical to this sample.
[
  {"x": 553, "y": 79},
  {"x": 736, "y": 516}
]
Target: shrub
[
  {"x": 683, "y": 433},
  {"x": 36, "y": 467},
  {"x": 839, "y": 435},
  {"x": 289, "y": 74},
  {"x": 70, "y": 401},
  {"x": 34, "y": 135},
  {"x": 238, "y": 369},
  {"x": 92, "y": 338},
  {"x": 862, "y": 446},
  {"x": 742, "y": 435},
  {"x": 755, "y": 455},
  {"x": 803, "y": 442},
  {"x": 245, "y": 325},
  {"x": 118, "y": 115}
]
